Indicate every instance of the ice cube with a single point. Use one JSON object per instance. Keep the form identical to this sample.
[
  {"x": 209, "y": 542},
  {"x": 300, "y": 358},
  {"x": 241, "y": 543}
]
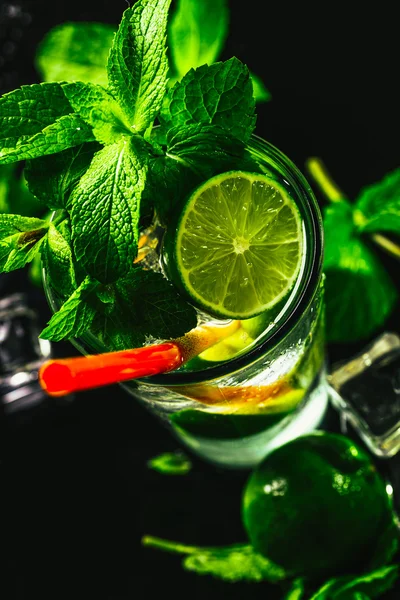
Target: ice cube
[{"x": 366, "y": 390}]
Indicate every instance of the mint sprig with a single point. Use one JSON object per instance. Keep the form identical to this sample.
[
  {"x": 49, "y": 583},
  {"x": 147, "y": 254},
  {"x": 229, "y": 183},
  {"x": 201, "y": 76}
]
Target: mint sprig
[
  {"x": 238, "y": 562},
  {"x": 94, "y": 155},
  {"x": 360, "y": 295}
]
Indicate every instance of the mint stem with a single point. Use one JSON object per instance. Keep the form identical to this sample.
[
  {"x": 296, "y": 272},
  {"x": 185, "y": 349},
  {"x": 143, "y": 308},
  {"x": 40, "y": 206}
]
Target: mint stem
[
  {"x": 319, "y": 173},
  {"x": 386, "y": 244},
  {"x": 60, "y": 218},
  {"x": 168, "y": 546},
  {"x": 321, "y": 177}
]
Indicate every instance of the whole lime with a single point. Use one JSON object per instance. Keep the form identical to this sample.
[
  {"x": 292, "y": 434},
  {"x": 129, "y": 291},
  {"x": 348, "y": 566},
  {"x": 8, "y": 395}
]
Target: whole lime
[{"x": 316, "y": 506}]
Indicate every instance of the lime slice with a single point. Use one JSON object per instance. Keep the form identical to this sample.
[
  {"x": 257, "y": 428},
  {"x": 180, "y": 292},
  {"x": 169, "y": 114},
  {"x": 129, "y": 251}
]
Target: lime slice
[
  {"x": 228, "y": 348},
  {"x": 237, "y": 248}
]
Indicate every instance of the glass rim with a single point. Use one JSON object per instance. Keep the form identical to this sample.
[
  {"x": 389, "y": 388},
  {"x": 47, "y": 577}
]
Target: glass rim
[{"x": 295, "y": 310}]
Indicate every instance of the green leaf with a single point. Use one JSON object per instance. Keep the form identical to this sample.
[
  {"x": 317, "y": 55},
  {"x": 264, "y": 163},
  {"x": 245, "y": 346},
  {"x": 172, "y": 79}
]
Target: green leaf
[
  {"x": 369, "y": 585},
  {"x": 359, "y": 293},
  {"x": 137, "y": 65},
  {"x": 378, "y": 206},
  {"x": 67, "y": 131},
  {"x": 260, "y": 92},
  {"x": 98, "y": 109},
  {"x": 75, "y": 316},
  {"x": 220, "y": 94},
  {"x": 238, "y": 562},
  {"x": 194, "y": 153},
  {"x": 20, "y": 240},
  {"x": 206, "y": 149},
  {"x": 168, "y": 182},
  {"x": 170, "y": 463},
  {"x": 196, "y": 33},
  {"x": 27, "y": 111},
  {"x": 146, "y": 307},
  {"x": 105, "y": 210},
  {"x": 52, "y": 178},
  {"x": 75, "y": 52},
  {"x": 58, "y": 260}
]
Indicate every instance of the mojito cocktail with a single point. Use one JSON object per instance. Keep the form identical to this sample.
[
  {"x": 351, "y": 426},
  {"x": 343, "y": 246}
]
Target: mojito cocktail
[
  {"x": 171, "y": 217},
  {"x": 264, "y": 383}
]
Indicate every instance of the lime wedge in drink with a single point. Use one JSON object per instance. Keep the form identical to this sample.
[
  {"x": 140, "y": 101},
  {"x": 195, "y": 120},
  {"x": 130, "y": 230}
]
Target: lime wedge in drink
[{"x": 237, "y": 247}]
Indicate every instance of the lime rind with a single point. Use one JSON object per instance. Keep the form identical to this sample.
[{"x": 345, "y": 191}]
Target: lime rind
[{"x": 239, "y": 245}]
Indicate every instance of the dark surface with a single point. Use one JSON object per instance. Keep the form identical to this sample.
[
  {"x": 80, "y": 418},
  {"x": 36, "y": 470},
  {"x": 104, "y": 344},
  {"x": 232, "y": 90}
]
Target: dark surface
[{"x": 76, "y": 492}]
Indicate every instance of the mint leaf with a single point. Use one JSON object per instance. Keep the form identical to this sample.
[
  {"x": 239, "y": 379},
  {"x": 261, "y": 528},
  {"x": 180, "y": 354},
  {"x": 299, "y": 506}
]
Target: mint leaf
[
  {"x": 65, "y": 132},
  {"x": 260, "y": 92},
  {"x": 20, "y": 240},
  {"x": 75, "y": 316},
  {"x": 170, "y": 463},
  {"x": 52, "y": 178},
  {"x": 378, "y": 206},
  {"x": 168, "y": 182},
  {"x": 193, "y": 153},
  {"x": 220, "y": 94},
  {"x": 359, "y": 294},
  {"x": 105, "y": 210},
  {"x": 137, "y": 66},
  {"x": 98, "y": 109},
  {"x": 196, "y": 33},
  {"x": 28, "y": 110},
  {"x": 206, "y": 149},
  {"x": 234, "y": 563},
  {"x": 75, "y": 52},
  {"x": 370, "y": 585},
  {"x": 146, "y": 307},
  {"x": 58, "y": 260},
  {"x": 16, "y": 224}
]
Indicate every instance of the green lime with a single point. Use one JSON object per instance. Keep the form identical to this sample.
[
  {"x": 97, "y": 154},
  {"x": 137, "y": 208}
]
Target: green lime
[
  {"x": 238, "y": 246},
  {"x": 316, "y": 506}
]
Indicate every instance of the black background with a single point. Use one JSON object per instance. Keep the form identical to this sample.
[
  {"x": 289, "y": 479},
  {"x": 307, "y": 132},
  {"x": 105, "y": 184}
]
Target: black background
[{"x": 76, "y": 492}]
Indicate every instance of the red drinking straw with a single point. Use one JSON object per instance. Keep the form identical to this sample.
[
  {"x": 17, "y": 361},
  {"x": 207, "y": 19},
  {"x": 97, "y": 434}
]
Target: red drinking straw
[{"x": 60, "y": 377}]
